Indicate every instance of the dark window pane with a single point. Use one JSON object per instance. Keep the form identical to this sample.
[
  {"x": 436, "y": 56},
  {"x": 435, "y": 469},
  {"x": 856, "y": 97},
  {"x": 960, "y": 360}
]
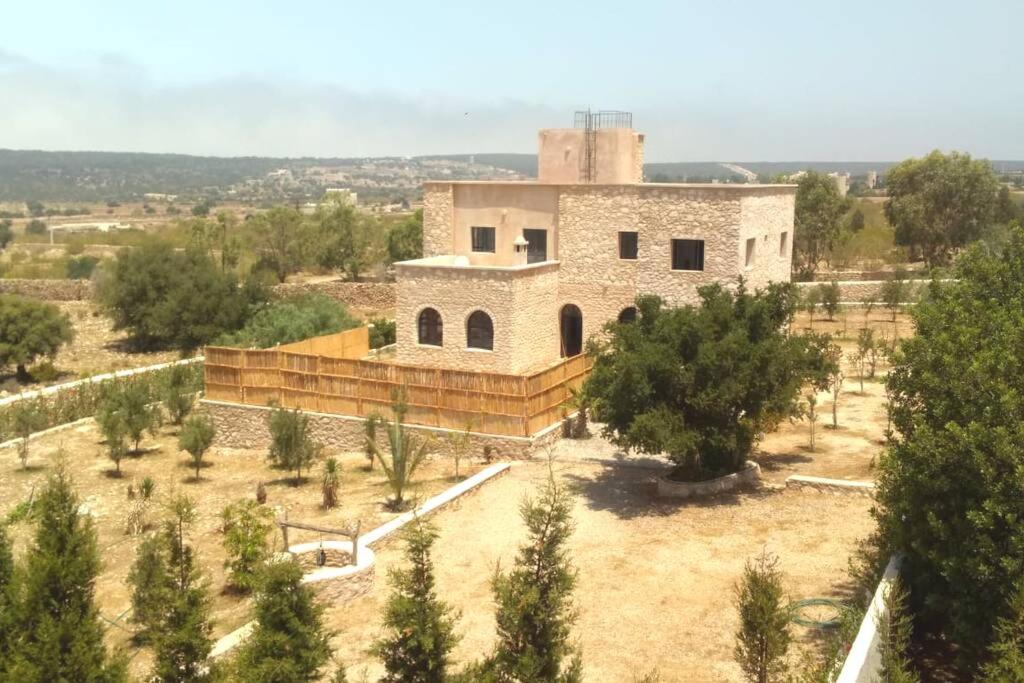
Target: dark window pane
[
  {"x": 483, "y": 239},
  {"x": 431, "y": 330},
  {"x": 479, "y": 331},
  {"x": 628, "y": 315},
  {"x": 628, "y": 245},
  {"x": 687, "y": 254}
]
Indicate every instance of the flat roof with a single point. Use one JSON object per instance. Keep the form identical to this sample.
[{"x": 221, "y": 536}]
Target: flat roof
[{"x": 681, "y": 186}]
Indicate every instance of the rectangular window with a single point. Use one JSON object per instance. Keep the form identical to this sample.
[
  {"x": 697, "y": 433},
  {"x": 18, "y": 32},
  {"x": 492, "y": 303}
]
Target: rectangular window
[
  {"x": 483, "y": 239},
  {"x": 628, "y": 245},
  {"x": 687, "y": 254},
  {"x": 751, "y": 246},
  {"x": 783, "y": 244}
]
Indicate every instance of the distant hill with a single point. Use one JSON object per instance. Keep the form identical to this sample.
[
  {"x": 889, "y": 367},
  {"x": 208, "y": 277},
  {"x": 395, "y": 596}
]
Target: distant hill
[{"x": 525, "y": 164}]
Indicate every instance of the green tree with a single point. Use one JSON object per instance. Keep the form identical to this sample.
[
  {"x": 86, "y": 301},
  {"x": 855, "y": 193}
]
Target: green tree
[
  {"x": 25, "y": 420},
  {"x": 894, "y": 630},
  {"x": 6, "y": 234},
  {"x": 408, "y": 451},
  {"x": 819, "y": 211},
  {"x": 419, "y": 627},
  {"x": 702, "y": 383},
  {"x": 61, "y": 638},
  {"x": 81, "y": 267},
  {"x": 382, "y": 332},
  {"x": 30, "y": 329},
  {"x": 340, "y": 238},
  {"x": 9, "y": 615},
  {"x": 534, "y": 611},
  {"x": 1006, "y": 210},
  {"x": 288, "y": 643},
  {"x": 829, "y": 294},
  {"x": 292, "y": 319},
  {"x": 196, "y": 438},
  {"x": 183, "y": 641},
  {"x": 1007, "y": 650},
  {"x": 291, "y": 445},
  {"x": 895, "y": 292},
  {"x": 280, "y": 239},
  {"x": 330, "y": 483},
  {"x": 151, "y": 586},
  {"x": 763, "y": 637},
  {"x": 857, "y": 220},
  {"x": 35, "y": 227},
  {"x": 246, "y": 525},
  {"x": 948, "y": 487},
  {"x": 178, "y": 394},
  {"x": 179, "y": 299},
  {"x": 940, "y": 202},
  {"x": 405, "y": 240},
  {"x": 127, "y": 411}
]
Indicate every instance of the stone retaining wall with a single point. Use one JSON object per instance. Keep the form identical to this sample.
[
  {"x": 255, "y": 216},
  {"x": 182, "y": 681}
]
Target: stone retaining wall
[
  {"x": 360, "y": 294},
  {"x": 245, "y": 426},
  {"x": 856, "y": 291},
  {"x": 748, "y": 476},
  {"x": 49, "y": 290},
  {"x": 798, "y": 481}
]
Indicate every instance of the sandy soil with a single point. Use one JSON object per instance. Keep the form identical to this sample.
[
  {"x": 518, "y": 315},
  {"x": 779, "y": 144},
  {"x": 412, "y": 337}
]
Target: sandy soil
[{"x": 230, "y": 475}]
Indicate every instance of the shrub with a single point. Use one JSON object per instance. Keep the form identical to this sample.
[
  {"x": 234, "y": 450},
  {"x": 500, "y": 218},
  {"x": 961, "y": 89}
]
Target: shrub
[
  {"x": 196, "y": 438},
  {"x": 405, "y": 240},
  {"x": 150, "y": 586},
  {"x": 1007, "y": 650},
  {"x": 895, "y": 292},
  {"x": 330, "y": 483},
  {"x": 742, "y": 375},
  {"x": 382, "y": 333},
  {"x": 246, "y": 525},
  {"x": 25, "y": 421},
  {"x": 763, "y": 637},
  {"x": 127, "y": 412},
  {"x": 291, "y": 446},
  {"x": 35, "y": 227},
  {"x": 178, "y": 395},
  {"x": 407, "y": 453},
  {"x": 30, "y": 329},
  {"x": 292, "y": 319},
  {"x": 81, "y": 267},
  {"x": 829, "y": 295}
]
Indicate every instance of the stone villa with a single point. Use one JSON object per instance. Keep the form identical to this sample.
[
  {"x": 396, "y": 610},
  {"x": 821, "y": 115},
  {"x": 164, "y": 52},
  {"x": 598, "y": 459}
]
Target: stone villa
[{"x": 517, "y": 274}]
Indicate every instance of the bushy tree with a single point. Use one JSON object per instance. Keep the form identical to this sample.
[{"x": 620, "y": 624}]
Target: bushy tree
[
  {"x": 534, "y": 612},
  {"x": 292, "y": 319},
  {"x": 246, "y": 525},
  {"x": 25, "y": 420},
  {"x": 280, "y": 240},
  {"x": 405, "y": 240},
  {"x": 30, "y": 329},
  {"x": 178, "y": 394},
  {"x": 81, "y": 267},
  {"x": 291, "y": 445},
  {"x": 702, "y": 383},
  {"x": 819, "y": 212},
  {"x": 829, "y": 295},
  {"x": 183, "y": 641},
  {"x": 382, "y": 332},
  {"x": 289, "y": 643},
  {"x": 6, "y": 234},
  {"x": 9, "y": 609},
  {"x": 60, "y": 635},
  {"x": 894, "y": 293},
  {"x": 35, "y": 227},
  {"x": 126, "y": 411},
  {"x": 763, "y": 637},
  {"x": 419, "y": 627},
  {"x": 196, "y": 438},
  {"x": 948, "y": 488},
  {"x": 340, "y": 237},
  {"x": 940, "y": 202},
  {"x": 894, "y": 630},
  {"x": 179, "y": 299}
]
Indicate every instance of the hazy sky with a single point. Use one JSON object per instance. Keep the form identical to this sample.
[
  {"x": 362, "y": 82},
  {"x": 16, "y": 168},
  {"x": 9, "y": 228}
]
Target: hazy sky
[{"x": 731, "y": 80}]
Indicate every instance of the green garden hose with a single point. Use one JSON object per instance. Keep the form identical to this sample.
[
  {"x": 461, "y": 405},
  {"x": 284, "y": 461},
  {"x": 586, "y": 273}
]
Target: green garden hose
[{"x": 837, "y": 605}]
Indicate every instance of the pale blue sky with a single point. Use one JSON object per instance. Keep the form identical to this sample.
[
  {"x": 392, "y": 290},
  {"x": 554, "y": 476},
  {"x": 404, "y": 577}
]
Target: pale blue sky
[{"x": 707, "y": 81}]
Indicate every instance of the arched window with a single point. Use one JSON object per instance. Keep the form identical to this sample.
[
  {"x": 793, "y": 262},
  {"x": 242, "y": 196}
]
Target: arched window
[
  {"x": 628, "y": 315},
  {"x": 479, "y": 331},
  {"x": 570, "y": 324},
  {"x": 431, "y": 330}
]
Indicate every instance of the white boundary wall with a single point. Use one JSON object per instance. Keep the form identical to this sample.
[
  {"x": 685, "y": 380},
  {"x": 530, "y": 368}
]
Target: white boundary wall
[{"x": 865, "y": 658}]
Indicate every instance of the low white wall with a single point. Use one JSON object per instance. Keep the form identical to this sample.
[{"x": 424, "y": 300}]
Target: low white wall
[{"x": 864, "y": 661}]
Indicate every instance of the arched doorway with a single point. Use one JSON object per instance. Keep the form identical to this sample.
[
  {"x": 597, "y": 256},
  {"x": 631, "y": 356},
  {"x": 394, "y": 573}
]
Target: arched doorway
[{"x": 571, "y": 330}]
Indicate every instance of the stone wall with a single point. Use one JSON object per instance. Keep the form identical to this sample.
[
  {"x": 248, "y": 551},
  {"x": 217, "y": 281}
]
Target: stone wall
[
  {"x": 765, "y": 218},
  {"x": 49, "y": 290},
  {"x": 857, "y": 291},
  {"x": 438, "y": 215},
  {"x": 375, "y": 295},
  {"x": 245, "y": 426}
]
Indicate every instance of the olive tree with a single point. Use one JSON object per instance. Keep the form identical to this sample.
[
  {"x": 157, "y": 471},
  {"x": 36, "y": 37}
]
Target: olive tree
[{"x": 30, "y": 329}]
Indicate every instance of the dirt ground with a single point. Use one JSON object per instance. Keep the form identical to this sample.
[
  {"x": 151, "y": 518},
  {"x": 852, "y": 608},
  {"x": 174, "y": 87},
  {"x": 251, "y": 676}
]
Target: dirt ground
[
  {"x": 231, "y": 474},
  {"x": 96, "y": 348}
]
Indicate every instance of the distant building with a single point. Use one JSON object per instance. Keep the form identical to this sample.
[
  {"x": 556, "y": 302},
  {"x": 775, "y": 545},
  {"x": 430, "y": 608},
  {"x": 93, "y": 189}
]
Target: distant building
[
  {"x": 159, "y": 197},
  {"x": 342, "y": 194},
  {"x": 872, "y": 180},
  {"x": 842, "y": 181}
]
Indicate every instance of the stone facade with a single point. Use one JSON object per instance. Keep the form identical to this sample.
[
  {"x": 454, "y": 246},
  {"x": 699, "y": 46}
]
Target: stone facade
[
  {"x": 438, "y": 207},
  {"x": 246, "y": 426}
]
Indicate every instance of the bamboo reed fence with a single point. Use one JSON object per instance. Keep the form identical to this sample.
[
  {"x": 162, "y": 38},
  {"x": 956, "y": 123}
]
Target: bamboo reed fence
[{"x": 329, "y": 375}]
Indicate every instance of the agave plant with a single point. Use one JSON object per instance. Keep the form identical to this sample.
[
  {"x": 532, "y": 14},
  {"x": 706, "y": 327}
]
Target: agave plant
[{"x": 407, "y": 452}]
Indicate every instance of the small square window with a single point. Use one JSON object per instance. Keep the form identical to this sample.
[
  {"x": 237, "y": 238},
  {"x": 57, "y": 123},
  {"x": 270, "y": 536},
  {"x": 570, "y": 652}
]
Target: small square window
[
  {"x": 783, "y": 244},
  {"x": 687, "y": 254},
  {"x": 751, "y": 247},
  {"x": 483, "y": 239},
  {"x": 628, "y": 245}
]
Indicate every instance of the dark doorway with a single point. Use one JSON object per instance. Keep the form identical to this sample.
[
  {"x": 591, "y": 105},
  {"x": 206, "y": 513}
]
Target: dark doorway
[
  {"x": 571, "y": 326},
  {"x": 537, "y": 250}
]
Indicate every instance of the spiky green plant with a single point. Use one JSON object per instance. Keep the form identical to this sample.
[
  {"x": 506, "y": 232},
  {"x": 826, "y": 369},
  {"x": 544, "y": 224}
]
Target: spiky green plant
[
  {"x": 407, "y": 452},
  {"x": 330, "y": 483}
]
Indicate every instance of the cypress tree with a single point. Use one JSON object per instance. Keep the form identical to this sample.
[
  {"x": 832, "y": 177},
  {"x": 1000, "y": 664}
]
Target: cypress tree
[
  {"x": 288, "y": 643},
  {"x": 420, "y": 627},
  {"x": 151, "y": 586},
  {"x": 894, "y": 629},
  {"x": 183, "y": 640},
  {"x": 8, "y": 601},
  {"x": 534, "y": 600},
  {"x": 61, "y": 635},
  {"x": 763, "y": 637},
  {"x": 1007, "y": 651}
]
